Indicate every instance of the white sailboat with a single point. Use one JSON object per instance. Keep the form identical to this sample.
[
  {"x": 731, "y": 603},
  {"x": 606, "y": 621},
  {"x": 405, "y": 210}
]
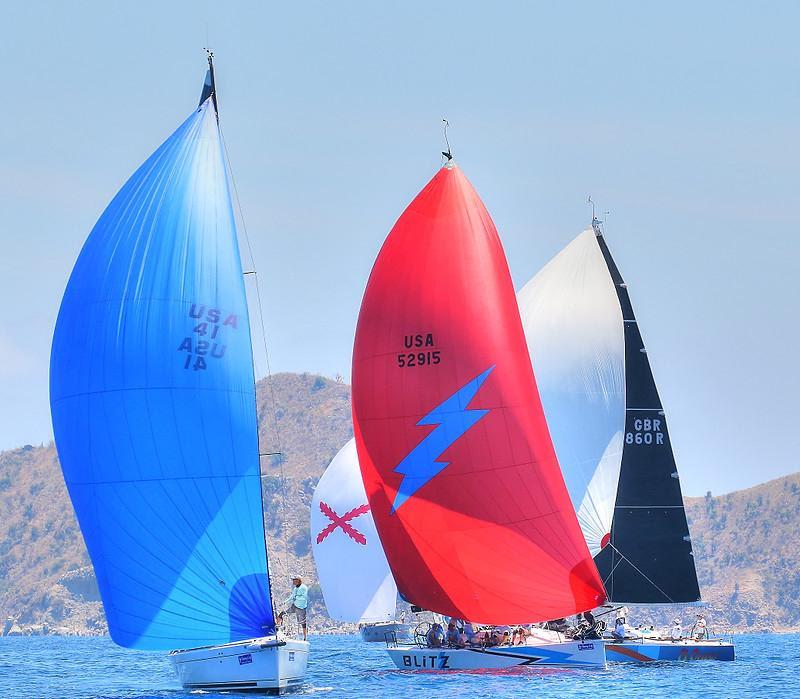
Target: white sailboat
[
  {"x": 153, "y": 404},
  {"x": 356, "y": 582},
  {"x": 610, "y": 433}
]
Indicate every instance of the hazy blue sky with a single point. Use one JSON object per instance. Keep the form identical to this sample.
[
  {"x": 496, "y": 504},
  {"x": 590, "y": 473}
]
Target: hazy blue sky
[{"x": 681, "y": 118}]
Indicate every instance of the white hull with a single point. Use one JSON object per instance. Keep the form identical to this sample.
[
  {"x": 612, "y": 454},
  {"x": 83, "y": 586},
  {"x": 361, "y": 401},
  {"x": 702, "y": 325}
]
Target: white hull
[
  {"x": 263, "y": 664},
  {"x": 385, "y": 631},
  {"x": 572, "y": 654}
]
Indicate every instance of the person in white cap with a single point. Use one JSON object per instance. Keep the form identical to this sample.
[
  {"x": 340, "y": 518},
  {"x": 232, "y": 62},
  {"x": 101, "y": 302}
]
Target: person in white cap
[
  {"x": 677, "y": 630},
  {"x": 298, "y": 602}
]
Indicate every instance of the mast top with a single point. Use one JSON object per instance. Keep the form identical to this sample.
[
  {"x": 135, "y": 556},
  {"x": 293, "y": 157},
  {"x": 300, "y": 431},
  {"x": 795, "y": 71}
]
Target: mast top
[
  {"x": 596, "y": 222},
  {"x": 210, "y": 86},
  {"x": 447, "y": 153}
]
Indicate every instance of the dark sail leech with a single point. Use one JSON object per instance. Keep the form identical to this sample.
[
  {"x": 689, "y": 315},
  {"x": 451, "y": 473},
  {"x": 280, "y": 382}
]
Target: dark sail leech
[{"x": 649, "y": 557}]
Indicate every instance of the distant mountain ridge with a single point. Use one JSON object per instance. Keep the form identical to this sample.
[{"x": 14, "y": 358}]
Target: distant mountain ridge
[{"x": 745, "y": 543}]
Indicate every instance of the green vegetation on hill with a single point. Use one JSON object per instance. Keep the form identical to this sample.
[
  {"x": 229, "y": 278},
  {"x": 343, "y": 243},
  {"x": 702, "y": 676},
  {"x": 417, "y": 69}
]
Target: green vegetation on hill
[{"x": 745, "y": 543}]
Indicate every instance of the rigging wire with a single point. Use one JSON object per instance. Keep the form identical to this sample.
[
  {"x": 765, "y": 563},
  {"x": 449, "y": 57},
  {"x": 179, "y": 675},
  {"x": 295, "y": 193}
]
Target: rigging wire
[
  {"x": 638, "y": 570},
  {"x": 282, "y": 511},
  {"x": 207, "y": 16}
]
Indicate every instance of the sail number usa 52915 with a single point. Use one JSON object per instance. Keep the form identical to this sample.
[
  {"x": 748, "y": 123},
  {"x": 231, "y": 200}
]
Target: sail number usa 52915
[{"x": 420, "y": 351}]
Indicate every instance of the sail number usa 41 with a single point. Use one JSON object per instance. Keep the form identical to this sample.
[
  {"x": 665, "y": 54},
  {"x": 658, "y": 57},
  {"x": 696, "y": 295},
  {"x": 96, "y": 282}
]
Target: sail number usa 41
[
  {"x": 208, "y": 332},
  {"x": 420, "y": 350}
]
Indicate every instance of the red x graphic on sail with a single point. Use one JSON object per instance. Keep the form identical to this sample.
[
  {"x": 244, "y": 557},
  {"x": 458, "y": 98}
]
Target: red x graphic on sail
[{"x": 343, "y": 523}]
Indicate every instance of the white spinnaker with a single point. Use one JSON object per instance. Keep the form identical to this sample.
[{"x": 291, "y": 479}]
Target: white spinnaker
[
  {"x": 353, "y": 572},
  {"x": 574, "y": 328}
]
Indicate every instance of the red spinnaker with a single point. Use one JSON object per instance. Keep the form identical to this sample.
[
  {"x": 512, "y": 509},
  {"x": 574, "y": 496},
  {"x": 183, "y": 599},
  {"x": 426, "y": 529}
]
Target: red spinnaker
[{"x": 457, "y": 460}]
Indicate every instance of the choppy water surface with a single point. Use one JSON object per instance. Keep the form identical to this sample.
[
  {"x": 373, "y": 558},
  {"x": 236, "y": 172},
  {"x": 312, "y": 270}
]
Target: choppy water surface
[{"x": 343, "y": 666}]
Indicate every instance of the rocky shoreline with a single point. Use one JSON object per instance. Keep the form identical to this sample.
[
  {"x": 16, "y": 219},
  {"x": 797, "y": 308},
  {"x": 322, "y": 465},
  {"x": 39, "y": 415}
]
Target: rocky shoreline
[{"x": 74, "y": 626}]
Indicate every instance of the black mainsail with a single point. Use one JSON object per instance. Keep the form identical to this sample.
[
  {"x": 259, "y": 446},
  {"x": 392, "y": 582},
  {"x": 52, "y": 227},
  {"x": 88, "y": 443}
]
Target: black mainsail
[{"x": 648, "y": 559}]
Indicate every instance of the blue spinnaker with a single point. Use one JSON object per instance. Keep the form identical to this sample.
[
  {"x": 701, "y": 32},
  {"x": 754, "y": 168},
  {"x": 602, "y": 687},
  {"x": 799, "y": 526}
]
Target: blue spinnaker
[{"x": 153, "y": 405}]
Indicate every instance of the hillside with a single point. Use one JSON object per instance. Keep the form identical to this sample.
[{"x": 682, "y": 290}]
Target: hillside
[{"x": 748, "y": 554}]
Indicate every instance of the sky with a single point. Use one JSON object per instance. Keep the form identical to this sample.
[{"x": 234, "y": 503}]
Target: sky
[{"x": 681, "y": 119}]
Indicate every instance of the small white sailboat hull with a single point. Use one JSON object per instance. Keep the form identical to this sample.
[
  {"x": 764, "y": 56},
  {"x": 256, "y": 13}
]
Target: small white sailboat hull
[
  {"x": 571, "y": 654},
  {"x": 269, "y": 664},
  {"x": 384, "y": 631}
]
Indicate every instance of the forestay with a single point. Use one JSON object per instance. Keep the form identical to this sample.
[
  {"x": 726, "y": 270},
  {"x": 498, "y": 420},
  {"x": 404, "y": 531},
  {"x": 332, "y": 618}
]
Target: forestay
[
  {"x": 353, "y": 572},
  {"x": 457, "y": 461},
  {"x": 153, "y": 405},
  {"x": 573, "y": 326}
]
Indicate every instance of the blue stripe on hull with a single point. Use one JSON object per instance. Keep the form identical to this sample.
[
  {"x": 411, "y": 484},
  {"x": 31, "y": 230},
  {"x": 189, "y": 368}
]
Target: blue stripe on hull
[{"x": 635, "y": 652}]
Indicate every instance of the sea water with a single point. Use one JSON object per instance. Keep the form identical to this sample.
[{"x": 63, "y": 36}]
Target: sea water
[{"x": 344, "y": 666}]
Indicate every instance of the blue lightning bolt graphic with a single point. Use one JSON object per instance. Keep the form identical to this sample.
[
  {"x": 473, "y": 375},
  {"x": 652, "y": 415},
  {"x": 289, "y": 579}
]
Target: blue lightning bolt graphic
[{"x": 453, "y": 420}]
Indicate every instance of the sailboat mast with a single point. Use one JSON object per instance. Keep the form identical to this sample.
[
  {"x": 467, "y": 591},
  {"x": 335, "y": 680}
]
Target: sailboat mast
[{"x": 210, "y": 90}]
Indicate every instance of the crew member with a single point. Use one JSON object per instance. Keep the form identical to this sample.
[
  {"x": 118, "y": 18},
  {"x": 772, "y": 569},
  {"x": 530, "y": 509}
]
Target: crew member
[
  {"x": 619, "y": 629},
  {"x": 700, "y": 628},
  {"x": 435, "y": 636},
  {"x": 676, "y": 633},
  {"x": 470, "y": 634},
  {"x": 298, "y": 602},
  {"x": 453, "y": 636}
]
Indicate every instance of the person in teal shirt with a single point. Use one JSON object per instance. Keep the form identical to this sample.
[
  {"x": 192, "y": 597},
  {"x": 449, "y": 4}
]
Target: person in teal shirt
[{"x": 298, "y": 602}]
